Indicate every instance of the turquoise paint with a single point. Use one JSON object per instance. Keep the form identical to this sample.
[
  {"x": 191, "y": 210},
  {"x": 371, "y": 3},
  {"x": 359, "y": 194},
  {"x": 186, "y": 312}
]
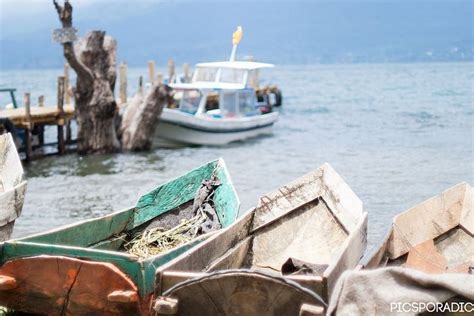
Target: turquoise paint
[{"x": 78, "y": 240}]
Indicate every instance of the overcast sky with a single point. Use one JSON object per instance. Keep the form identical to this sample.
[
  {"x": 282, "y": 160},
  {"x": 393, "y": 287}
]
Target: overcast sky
[{"x": 283, "y": 31}]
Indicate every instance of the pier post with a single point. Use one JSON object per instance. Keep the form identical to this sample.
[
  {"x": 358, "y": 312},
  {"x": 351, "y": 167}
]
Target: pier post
[
  {"x": 140, "y": 85},
  {"x": 186, "y": 72},
  {"x": 170, "y": 71},
  {"x": 41, "y": 127},
  {"x": 60, "y": 121},
  {"x": 66, "y": 84},
  {"x": 123, "y": 83},
  {"x": 151, "y": 71},
  {"x": 41, "y": 101},
  {"x": 29, "y": 127},
  {"x": 159, "y": 78}
]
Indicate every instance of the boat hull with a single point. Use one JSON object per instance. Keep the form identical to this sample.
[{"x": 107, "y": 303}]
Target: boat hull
[
  {"x": 12, "y": 186},
  {"x": 435, "y": 236},
  {"x": 316, "y": 219},
  {"x": 82, "y": 269},
  {"x": 178, "y": 129}
]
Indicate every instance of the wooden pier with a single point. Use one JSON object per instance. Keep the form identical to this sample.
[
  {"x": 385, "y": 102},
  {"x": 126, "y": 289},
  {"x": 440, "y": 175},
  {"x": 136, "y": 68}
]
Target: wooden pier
[{"x": 33, "y": 119}]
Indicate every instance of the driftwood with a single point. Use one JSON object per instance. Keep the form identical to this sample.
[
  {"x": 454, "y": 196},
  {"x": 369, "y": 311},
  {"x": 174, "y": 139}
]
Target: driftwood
[
  {"x": 140, "y": 118},
  {"x": 93, "y": 58}
]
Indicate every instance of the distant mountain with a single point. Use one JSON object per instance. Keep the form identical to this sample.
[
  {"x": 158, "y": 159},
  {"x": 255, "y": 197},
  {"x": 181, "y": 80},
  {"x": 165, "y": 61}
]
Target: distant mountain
[{"x": 279, "y": 32}]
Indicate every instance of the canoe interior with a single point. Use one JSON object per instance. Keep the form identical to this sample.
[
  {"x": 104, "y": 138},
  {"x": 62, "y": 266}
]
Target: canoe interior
[
  {"x": 435, "y": 236},
  {"x": 310, "y": 233},
  {"x": 101, "y": 239},
  {"x": 301, "y": 220}
]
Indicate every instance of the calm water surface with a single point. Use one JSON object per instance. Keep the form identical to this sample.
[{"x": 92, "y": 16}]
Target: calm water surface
[{"x": 397, "y": 133}]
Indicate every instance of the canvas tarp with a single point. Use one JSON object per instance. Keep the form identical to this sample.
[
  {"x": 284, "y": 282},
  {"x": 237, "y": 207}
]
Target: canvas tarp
[{"x": 376, "y": 292}]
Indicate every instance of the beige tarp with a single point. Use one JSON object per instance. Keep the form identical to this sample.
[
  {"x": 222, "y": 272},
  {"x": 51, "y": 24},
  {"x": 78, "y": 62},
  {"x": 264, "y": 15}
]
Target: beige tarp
[{"x": 383, "y": 291}]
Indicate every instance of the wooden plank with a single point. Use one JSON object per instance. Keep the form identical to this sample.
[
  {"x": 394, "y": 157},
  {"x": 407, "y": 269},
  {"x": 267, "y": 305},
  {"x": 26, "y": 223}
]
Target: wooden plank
[
  {"x": 225, "y": 199},
  {"x": 151, "y": 71},
  {"x": 39, "y": 115},
  {"x": 379, "y": 256},
  {"x": 112, "y": 243},
  {"x": 427, "y": 220},
  {"x": 467, "y": 213},
  {"x": 86, "y": 232},
  {"x": 349, "y": 255},
  {"x": 323, "y": 182},
  {"x": 60, "y": 285}
]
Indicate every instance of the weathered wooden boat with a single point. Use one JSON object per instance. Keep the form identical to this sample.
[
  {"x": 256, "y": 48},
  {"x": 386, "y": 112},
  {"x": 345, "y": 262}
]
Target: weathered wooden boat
[
  {"x": 435, "y": 236},
  {"x": 289, "y": 252},
  {"x": 12, "y": 186},
  {"x": 81, "y": 269}
]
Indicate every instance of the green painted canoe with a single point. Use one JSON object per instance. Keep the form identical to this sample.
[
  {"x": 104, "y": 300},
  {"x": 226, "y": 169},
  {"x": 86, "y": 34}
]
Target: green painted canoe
[{"x": 79, "y": 269}]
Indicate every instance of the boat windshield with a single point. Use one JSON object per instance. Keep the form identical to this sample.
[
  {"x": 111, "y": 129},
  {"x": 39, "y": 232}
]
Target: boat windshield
[
  {"x": 238, "y": 103},
  {"x": 206, "y": 74},
  {"x": 190, "y": 101},
  {"x": 231, "y": 75}
]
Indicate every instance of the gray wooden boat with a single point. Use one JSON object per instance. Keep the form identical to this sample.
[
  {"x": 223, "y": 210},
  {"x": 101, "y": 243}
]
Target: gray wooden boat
[
  {"x": 12, "y": 186},
  {"x": 435, "y": 236},
  {"x": 282, "y": 257}
]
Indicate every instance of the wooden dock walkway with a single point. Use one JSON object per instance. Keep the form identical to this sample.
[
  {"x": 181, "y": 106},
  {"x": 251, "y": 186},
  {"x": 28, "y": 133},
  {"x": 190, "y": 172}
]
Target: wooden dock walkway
[
  {"x": 33, "y": 119},
  {"x": 45, "y": 115}
]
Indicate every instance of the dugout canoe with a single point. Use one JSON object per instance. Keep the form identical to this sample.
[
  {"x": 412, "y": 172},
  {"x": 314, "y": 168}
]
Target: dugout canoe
[
  {"x": 435, "y": 236},
  {"x": 282, "y": 257},
  {"x": 12, "y": 186},
  {"x": 81, "y": 269}
]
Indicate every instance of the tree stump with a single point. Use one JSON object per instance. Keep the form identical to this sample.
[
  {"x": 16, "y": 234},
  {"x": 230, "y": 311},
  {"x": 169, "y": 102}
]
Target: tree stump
[
  {"x": 93, "y": 58},
  {"x": 140, "y": 118},
  {"x": 95, "y": 103}
]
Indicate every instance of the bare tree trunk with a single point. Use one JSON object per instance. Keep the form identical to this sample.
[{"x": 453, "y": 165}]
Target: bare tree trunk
[
  {"x": 95, "y": 103},
  {"x": 140, "y": 118}
]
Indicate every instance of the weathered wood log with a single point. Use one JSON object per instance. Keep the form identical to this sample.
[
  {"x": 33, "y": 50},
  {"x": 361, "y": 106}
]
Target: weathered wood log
[
  {"x": 95, "y": 103},
  {"x": 141, "y": 117}
]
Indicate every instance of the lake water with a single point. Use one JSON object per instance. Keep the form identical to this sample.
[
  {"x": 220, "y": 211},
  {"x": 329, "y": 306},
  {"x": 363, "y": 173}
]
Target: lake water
[{"x": 397, "y": 133}]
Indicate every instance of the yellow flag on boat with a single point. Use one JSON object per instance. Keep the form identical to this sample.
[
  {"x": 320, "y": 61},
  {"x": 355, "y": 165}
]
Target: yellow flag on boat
[{"x": 237, "y": 36}]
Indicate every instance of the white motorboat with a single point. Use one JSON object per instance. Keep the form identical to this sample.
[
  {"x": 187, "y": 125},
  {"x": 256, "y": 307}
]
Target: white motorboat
[{"x": 219, "y": 106}]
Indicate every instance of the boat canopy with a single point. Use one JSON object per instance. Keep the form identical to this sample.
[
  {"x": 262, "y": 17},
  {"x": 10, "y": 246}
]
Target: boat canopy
[
  {"x": 247, "y": 65},
  {"x": 224, "y": 75},
  {"x": 207, "y": 85}
]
